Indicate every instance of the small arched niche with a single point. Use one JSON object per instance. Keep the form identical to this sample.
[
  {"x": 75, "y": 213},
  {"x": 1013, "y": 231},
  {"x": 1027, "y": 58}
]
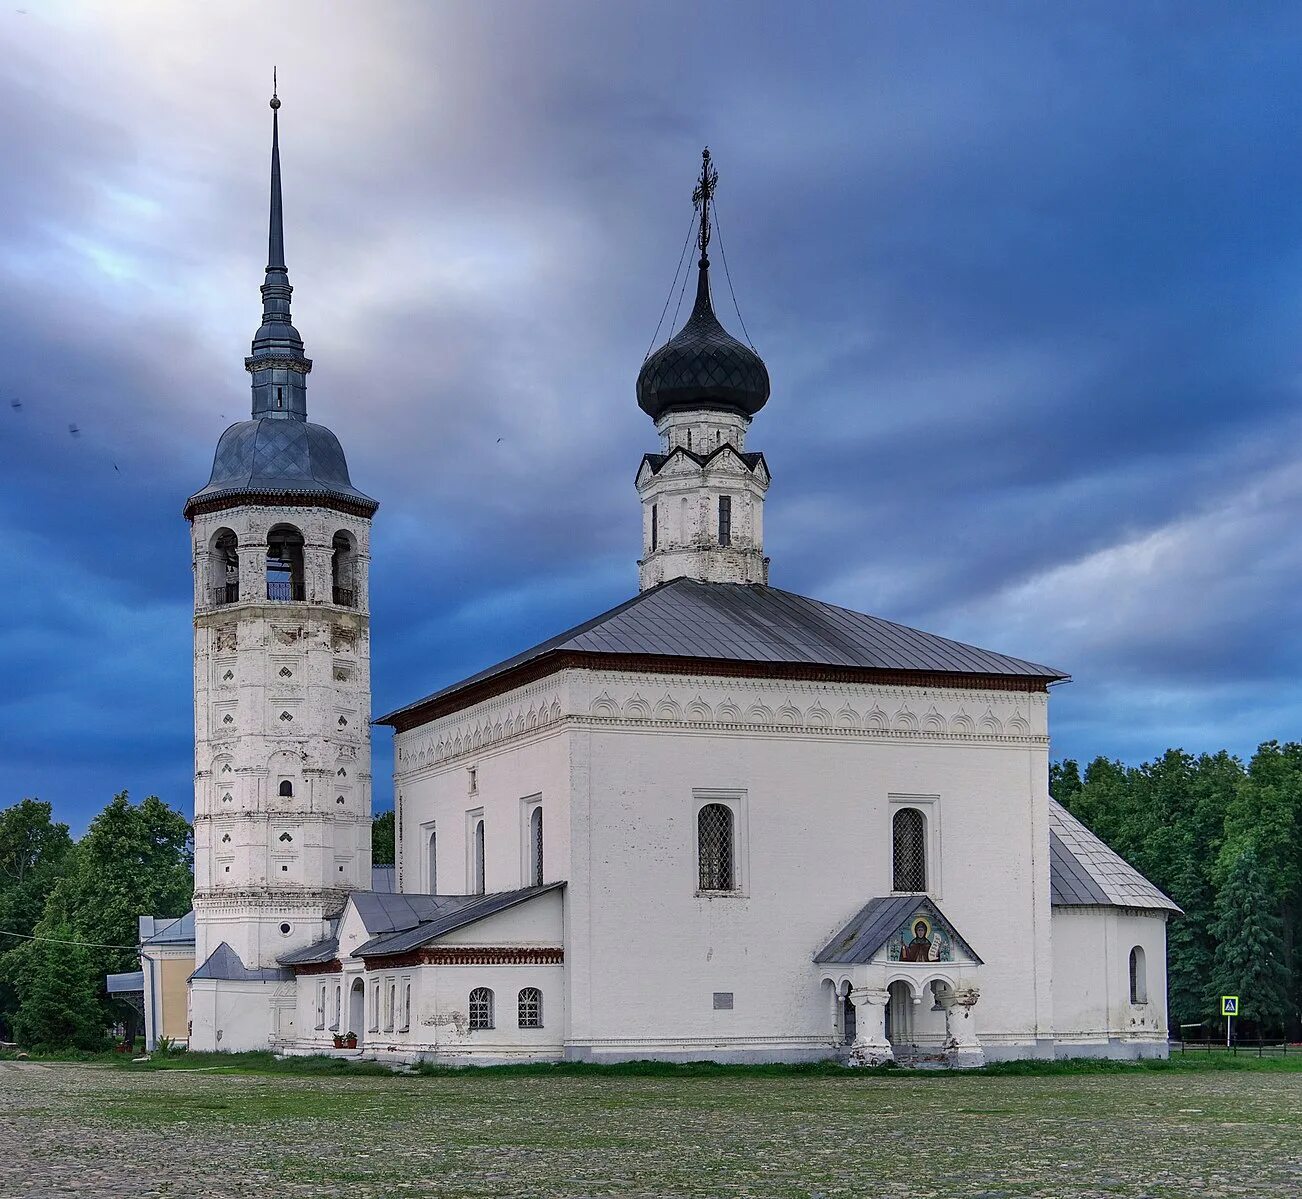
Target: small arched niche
[
  {"x": 284, "y": 564},
  {"x": 223, "y": 567},
  {"x": 343, "y": 569}
]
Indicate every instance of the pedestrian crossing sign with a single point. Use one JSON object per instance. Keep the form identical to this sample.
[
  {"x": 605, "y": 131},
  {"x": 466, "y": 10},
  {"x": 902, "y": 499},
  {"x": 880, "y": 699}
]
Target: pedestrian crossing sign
[{"x": 1229, "y": 1005}]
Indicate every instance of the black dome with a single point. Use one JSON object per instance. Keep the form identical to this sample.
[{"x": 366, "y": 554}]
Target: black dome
[
  {"x": 271, "y": 456},
  {"x": 703, "y": 366}
]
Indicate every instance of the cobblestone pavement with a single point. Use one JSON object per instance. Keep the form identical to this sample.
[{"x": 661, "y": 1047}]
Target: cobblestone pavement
[{"x": 100, "y": 1131}]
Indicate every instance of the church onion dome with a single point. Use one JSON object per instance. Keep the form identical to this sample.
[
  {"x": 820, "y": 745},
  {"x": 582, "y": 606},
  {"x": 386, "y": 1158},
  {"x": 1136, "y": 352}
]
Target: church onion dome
[{"x": 703, "y": 365}]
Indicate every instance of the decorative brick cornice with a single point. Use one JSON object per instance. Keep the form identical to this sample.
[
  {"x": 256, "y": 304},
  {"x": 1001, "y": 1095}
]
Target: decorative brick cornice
[
  {"x": 335, "y": 501},
  {"x": 552, "y": 663},
  {"x": 285, "y": 363},
  {"x": 466, "y": 955}
]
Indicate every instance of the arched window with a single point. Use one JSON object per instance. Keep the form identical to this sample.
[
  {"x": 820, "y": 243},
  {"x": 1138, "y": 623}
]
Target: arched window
[
  {"x": 909, "y": 843},
  {"x": 481, "y": 1009},
  {"x": 339, "y": 1006},
  {"x": 287, "y": 789},
  {"x": 224, "y": 568},
  {"x": 406, "y": 1007},
  {"x": 343, "y": 570},
  {"x": 530, "y": 1008},
  {"x": 479, "y": 857},
  {"x": 714, "y": 848},
  {"x": 284, "y": 563},
  {"x": 433, "y": 862},
  {"x": 535, "y": 848},
  {"x": 1138, "y": 976}
]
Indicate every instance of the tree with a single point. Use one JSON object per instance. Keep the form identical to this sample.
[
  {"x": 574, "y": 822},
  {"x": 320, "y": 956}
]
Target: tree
[
  {"x": 1250, "y": 960},
  {"x": 59, "y": 1007},
  {"x": 382, "y": 844},
  {"x": 1266, "y": 819},
  {"x": 34, "y": 854},
  {"x": 134, "y": 860}
]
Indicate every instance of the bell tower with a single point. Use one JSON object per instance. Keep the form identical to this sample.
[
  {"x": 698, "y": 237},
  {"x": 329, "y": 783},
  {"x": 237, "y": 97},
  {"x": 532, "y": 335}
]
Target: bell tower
[
  {"x": 703, "y": 493},
  {"x": 282, "y": 687}
]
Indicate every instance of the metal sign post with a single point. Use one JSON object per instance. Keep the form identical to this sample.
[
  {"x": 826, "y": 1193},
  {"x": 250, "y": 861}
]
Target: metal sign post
[{"x": 1229, "y": 1009}]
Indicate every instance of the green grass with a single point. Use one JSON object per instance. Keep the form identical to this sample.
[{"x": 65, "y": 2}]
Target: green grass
[{"x": 1201, "y": 1126}]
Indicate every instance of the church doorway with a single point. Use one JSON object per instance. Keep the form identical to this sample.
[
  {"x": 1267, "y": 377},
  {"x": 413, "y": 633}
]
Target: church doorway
[
  {"x": 357, "y": 1009},
  {"x": 849, "y": 1024},
  {"x": 899, "y": 1017}
]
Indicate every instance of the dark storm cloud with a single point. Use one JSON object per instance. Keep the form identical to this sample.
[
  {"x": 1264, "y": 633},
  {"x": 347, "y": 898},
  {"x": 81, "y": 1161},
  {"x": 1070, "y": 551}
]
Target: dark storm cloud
[{"x": 1024, "y": 279}]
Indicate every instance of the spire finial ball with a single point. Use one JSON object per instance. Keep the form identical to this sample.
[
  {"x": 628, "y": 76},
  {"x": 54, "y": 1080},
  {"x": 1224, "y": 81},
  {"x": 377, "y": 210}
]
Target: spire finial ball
[{"x": 275, "y": 102}]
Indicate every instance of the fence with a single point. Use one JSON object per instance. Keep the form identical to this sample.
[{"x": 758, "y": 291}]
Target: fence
[{"x": 1240, "y": 1046}]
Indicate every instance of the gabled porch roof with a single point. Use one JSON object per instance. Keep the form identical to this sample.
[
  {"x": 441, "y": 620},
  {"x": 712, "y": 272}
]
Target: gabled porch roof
[{"x": 874, "y": 924}]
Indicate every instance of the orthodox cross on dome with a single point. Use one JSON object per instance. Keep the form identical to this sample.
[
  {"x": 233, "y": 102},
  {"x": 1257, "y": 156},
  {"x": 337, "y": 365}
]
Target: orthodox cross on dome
[{"x": 702, "y": 195}]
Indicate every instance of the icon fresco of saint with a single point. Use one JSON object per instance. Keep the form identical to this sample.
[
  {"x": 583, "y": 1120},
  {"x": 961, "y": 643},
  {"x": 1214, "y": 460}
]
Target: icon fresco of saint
[{"x": 920, "y": 941}]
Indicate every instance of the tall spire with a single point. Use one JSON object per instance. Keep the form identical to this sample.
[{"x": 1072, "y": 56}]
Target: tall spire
[
  {"x": 277, "y": 364},
  {"x": 276, "y": 231}
]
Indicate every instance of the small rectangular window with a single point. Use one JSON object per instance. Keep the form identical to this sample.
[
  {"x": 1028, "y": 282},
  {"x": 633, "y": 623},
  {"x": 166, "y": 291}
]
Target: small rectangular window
[
  {"x": 725, "y": 520},
  {"x": 723, "y": 1001},
  {"x": 655, "y": 526}
]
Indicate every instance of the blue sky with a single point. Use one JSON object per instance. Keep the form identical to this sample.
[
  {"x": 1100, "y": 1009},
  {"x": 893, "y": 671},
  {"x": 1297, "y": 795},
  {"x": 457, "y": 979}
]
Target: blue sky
[{"x": 1027, "y": 278}]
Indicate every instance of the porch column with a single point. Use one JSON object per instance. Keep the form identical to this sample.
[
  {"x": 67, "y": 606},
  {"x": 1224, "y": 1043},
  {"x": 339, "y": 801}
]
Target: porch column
[
  {"x": 962, "y": 1047},
  {"x": 870, "y": 1048}
]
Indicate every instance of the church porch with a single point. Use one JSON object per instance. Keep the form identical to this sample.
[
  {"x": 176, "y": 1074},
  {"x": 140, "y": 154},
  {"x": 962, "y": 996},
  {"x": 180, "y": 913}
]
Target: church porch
[{"x": 901, "y": 985}]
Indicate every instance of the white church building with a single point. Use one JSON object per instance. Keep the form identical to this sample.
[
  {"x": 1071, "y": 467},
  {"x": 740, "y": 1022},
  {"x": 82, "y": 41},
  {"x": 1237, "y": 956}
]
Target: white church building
[{"x": 719, "y": 821}]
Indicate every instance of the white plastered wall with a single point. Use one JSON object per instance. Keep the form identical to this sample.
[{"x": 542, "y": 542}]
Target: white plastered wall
[
  {"x": 1093, "y": 1014},
  {"x": 622, "y": 762}
]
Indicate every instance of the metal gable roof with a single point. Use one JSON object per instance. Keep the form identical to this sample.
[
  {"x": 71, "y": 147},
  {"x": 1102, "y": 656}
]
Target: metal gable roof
[
  {"x": 477, "y": 908},
  {"x": 873, "y": 925},
  {"x": 748, "y": 622},
  {"x": 225, "y": 963},
  {"x": 156, "y": 930},
  {"x": 1084, "y": 871}
]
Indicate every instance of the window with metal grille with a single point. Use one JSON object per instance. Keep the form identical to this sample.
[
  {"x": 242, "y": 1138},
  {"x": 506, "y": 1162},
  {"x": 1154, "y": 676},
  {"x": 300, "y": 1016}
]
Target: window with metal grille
[
  {"x": 479, "y": 857},
  {"x": 725, "y": 520},
  {"x": 481, "y": 1008},
  {"x": 530, "y": 1008},
  {"x": 909, "y": 840},
  {"x": 714, "y": 848},
  {"x": 535, "y": 848}
]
